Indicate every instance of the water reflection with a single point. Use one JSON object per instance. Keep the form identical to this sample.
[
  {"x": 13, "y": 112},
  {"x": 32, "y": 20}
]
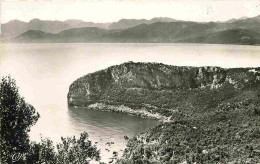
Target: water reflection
[
  {"x": 105, "y": 127},
  {"x": 102, "y": 127},
  {"x": 44, "y": 72},
  {"x": 110, "y": 122}
]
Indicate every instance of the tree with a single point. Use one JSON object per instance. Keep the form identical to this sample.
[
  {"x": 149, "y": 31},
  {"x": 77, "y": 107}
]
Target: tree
[
  {"x": 16, "y": 118},
  {"x": 70, "y": 150},
  {"x": 258, "y": 90},
  {"x": 73, "y": 150},
  {"x": 42, "y": 152}
]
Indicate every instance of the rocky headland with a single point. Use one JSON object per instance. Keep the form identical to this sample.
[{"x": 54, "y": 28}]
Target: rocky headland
[
  {"x": 209, "y": 114},
  {"x": 151, "y": 89}
]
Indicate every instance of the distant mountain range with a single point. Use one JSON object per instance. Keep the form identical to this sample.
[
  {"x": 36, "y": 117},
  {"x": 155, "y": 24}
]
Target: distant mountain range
[
  {"x": 156, "y": 30},
  {"x": 15, "y": 28}
]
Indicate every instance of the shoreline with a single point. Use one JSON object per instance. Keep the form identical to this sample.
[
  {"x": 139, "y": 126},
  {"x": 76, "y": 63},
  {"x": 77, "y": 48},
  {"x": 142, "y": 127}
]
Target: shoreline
[{"x": 143, "y": 113}]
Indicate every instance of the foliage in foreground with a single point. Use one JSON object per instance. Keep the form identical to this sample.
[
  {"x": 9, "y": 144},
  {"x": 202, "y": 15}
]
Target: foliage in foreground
[
  {"x": 71, "y": 150},
  {"x": 17, "y": 116}
]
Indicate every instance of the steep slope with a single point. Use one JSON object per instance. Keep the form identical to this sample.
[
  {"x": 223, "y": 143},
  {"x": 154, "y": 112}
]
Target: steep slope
[
  {"x": 135, "y": 84},
  {"x": 220, "y": 125},
  {"x": 210, "y": 114},
  {"x": 94, "y": 87}
]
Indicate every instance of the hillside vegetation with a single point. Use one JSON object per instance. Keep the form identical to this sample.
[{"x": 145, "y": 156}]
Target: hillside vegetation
[{"x": 210, "y": 114}]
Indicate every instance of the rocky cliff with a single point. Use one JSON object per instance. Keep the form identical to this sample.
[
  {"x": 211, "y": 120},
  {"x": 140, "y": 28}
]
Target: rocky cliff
[
  {"x": 209, "y": 114},
  {"x": 132, "y": 83}
]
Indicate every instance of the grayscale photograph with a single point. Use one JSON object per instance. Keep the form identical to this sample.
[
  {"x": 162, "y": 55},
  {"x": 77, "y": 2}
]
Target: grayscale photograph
[{"x": 130, "y": 82}]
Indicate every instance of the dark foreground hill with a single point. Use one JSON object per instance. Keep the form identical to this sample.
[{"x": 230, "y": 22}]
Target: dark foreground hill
[{"x": 210, "y": 114}]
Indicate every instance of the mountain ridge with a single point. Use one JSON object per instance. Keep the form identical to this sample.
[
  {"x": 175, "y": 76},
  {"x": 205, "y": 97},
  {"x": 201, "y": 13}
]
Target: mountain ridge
[
  {"x": 152, "y": 76},
  {"x": 18, "y": 27},
  {"x": 154, "y": 33},
  {"x": 15, "y": 28}
]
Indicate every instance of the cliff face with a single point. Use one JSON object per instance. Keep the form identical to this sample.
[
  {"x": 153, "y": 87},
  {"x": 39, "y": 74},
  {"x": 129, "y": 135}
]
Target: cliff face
[
  {"x": 138, "y": 77},
  {"x": 202, "y": 108}
]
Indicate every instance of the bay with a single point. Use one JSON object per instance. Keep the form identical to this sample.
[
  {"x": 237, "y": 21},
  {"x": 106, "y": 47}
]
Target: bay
[{"x": 44, "y": 72}]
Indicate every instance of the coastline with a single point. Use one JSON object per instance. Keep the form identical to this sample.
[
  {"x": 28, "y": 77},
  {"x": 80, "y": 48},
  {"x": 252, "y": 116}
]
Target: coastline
[{"x": 127, "y": 110}]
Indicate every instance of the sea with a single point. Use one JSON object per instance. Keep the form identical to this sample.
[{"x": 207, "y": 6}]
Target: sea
[{"x": 44, "y": 72}]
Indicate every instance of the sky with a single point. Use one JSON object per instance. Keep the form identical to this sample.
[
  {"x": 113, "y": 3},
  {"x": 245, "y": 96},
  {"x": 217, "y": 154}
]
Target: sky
[{"x": 114, "y": 10}]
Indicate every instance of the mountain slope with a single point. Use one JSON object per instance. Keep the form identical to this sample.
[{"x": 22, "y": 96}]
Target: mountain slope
[
  {"x": 35, "y": 36},
  {"x": 160, "y": 32},
  {"x": 15, "y": 28},
  {"x": 90, "y": 34},
  {"x": 209, "y": 114},
  {"x": 96, "y": 86},
  {"x": 231, "y": 36},
  {"x": 127, "y": 23},
  {"x": 133, "y": 80}
]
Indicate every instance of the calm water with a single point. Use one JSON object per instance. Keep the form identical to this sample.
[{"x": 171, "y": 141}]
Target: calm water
[{"x": 44, "y": 72}]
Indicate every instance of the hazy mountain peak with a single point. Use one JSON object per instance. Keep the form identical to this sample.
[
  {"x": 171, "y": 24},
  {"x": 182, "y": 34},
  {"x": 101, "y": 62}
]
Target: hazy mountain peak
[
  {"x": 15, "y": 21},
  {"x": 234, "y": 20},
  {"x": 164, "y": 19},
  {"x": 35, "y": 20},
  {"x": 73, "y": 21}
]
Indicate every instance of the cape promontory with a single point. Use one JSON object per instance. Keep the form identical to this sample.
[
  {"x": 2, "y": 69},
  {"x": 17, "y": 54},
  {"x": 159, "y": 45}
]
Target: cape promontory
[
  {"x": 155, "y": 85},
  {"x": 208, "y": 114}
]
